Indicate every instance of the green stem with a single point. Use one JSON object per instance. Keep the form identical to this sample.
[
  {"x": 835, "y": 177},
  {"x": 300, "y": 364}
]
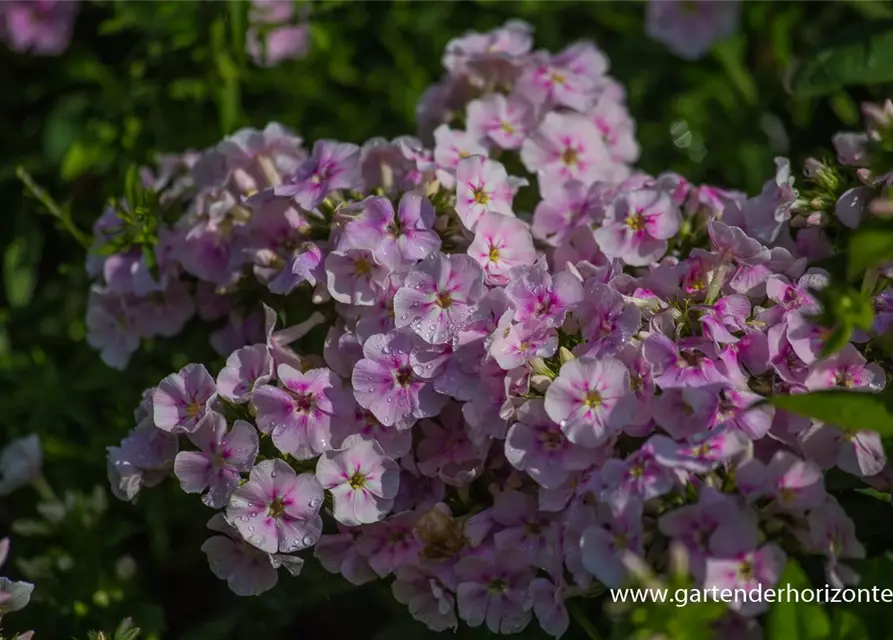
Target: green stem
[
  {"x": 44, "y": 490},
  {"x": 52, "y": 208},
  {"x": 581, "y": 619},
  {"x": 869, "y": 281},
  {"x": 716, "y": 282}
]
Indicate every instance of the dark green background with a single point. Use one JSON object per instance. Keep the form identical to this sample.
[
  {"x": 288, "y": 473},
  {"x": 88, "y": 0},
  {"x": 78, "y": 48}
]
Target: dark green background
[{"x": 147, "y": 77}]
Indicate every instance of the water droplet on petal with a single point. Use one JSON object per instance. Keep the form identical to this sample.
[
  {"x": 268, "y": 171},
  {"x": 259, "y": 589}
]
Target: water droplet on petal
[{"x": 307, "y": 541}]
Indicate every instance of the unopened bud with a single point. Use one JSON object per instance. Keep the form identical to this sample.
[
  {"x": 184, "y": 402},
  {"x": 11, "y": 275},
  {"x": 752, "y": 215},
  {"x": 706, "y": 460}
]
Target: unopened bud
[
  {"x": 818, "y": 203},
  {"x": 816, "y": 219},
  {"x": 881, "y": 207},
  {"x": 432, "y": 188},
  {"x": 812, "y": 167},
  {"x": 539, "y": 367},
  {"x": 865, "y": 176},
  {"x": 540, "y": 383},
  {"x": 877, "y": 116},
  {"x": 565, "y": 355}
]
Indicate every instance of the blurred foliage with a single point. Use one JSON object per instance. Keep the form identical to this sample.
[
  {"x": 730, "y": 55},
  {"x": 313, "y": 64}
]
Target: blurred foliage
[{"x": 147, "y": 77}]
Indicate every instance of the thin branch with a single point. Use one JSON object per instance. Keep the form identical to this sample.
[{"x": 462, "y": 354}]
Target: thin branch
[
  {"x": 580, "y": 618},
  {"x": 52, "y": 207}
]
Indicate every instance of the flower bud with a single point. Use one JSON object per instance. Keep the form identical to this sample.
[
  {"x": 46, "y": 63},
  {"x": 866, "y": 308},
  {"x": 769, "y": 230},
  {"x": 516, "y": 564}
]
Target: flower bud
[
  {"x": 881, "y": 207},
  {"x": 877, "y": 117},
  {"x": 565, "y": 355},
  {"x": 540, "y": 383},
  {"x": 539, "y": 367},
  {"x": 865, "y": 176}
]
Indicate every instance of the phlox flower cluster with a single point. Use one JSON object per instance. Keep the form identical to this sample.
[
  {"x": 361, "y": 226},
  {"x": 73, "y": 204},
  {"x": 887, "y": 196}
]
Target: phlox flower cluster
[
  {"x": 690, "y": 27},
  {"x": 37, "y": 27},
  {"x": 510, "y": 407},
  {"x": 274, "y": 34}
]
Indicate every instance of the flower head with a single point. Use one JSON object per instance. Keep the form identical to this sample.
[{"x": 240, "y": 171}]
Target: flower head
[
  {"x": 362, "y": 480},
  {"x": 299, "y": 416},
  {"x": 590, "y": 400},
  {"x": 277, "y": 510},
  {"x": 223, "y": 455},
  {"x": 482, "y": 186},
  {"x": 437, "y": 296},
  {"x": 332, "y": 165},
  {"x": 500, "y": 244},
  {"x": 181, "y": 400}
]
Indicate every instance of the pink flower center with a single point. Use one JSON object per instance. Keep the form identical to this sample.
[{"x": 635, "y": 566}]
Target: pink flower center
[
  {"x": 493, "y": 255},
  {"x": 304, "y": 402},
  {"x": 570, "y": 156},
  {"x": 637, "y": 470},
  {"x": 276, "y": 508},
  {"x": 550, "y": 440},
  {"x": 746, "y": 571},
  {"x": 636, "y": 222},
  {"x": 362, "y": 267},
  {"x": 843, "y": 379},
  {"x": 193, "y": 409},
  {"x": 557, "y": 78},
  {"x": 592, "y": 399},
  {"x": 497, "y": 586},
  {"x": 404, "y": 376},
  {"x": 357, "y": 480},
  {"x": 701, "y": 451},
  {"x": 507, "y": 128},
  {"x": 533, "y": 528},
  {"x": 480, "y": 196},
  {"x": 444, "y": 300}
]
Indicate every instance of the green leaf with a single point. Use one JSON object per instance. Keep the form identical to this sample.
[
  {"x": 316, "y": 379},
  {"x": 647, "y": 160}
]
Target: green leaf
[
  {"x": 869, "y": 247},
  {"x": 845, "y": 108},
  {"x": 132, "y": 186},
  {"x": 80, "y": 159},
  {"x": 238, "y": 18},
  {"x": 845, "y": 625},
  {"x": 229, "y": 104},
  {"x": 62, "y": 127},
  {"x": 861, "y": 55},
  {"x": 838, "y": 339},
  {"x": 850, "y": 410},
  {"x": 730, "y": 54},
  {"x": 874, "y": 613},
  {"x": 19, "y": 269},
  {"x": 151, "y": 261},
  {"x": 796, "y": 620},
  {"x": 873, "y": 10}
]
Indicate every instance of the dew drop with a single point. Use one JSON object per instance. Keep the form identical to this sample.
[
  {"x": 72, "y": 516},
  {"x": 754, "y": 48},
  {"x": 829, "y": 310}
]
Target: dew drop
[
  {"x": 314, "y": 503},
  {"x": 244, "y": 518},
  {"x": 307, "y": 541}
]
